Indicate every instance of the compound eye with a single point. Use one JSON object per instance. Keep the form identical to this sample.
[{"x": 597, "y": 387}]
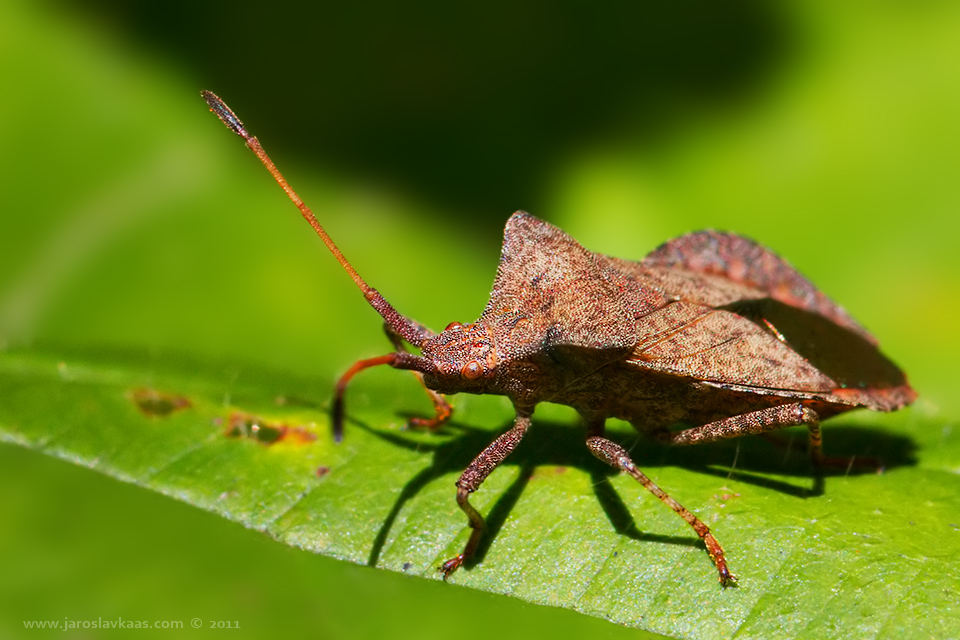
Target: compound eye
[
  {"x": 472, "y": 370},
  {"x": 453, "y": 325}
]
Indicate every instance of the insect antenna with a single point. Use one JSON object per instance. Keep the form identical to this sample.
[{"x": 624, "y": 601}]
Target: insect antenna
[
  {"x": 400, "y": 326},
  {"x": 408, "y": 330}
]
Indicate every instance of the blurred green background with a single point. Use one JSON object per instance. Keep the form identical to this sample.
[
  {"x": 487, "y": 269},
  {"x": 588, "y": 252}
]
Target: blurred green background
[{"x": 132, "y": 220}]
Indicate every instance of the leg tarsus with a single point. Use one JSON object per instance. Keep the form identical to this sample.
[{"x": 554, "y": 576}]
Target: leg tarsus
[
  {"x": 451, "y": 565},
  {"x": 477, "y": 526},
  {"x": 441, "y": 410}
]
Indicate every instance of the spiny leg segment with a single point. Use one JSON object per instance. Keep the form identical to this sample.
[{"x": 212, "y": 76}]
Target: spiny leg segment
[{"x": 754, "y": 423}]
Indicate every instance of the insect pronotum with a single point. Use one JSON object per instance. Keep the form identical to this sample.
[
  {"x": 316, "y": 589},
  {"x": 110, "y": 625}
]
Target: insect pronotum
[{"x": 710, "y": 331}]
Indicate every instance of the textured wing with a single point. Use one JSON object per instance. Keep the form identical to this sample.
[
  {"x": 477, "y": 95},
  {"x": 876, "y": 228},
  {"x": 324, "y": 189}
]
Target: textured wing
[
  {"x": 718, "y": 346},
  {"x": 741, "y": 261},
  {"x": 734, "y": 275}
]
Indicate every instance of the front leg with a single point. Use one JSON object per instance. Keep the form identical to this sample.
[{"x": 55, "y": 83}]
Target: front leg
[{"x": 474, "y": 475}]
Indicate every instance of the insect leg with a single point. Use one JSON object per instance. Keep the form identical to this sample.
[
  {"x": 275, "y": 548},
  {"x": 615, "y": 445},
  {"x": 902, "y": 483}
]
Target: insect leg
[
  {"x": 617, "y": 457},
  {"x": 341, "y": 388},
  {"x": 755, "y": 422},
  {"x": 474, "y": 475},
  {"x": 441, "y": 408}
]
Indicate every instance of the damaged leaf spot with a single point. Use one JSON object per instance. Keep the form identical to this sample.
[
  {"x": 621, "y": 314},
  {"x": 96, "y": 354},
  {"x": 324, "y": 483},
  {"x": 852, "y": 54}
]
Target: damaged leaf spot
[
  {"x": 158, "y": 404},
  {"x": 725, "y": 496},
  {"x": 244, "y": 425}
]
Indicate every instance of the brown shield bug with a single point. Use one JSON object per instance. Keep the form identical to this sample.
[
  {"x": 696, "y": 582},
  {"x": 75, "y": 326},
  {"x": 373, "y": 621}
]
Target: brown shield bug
[{"x": 710, "y": 331}]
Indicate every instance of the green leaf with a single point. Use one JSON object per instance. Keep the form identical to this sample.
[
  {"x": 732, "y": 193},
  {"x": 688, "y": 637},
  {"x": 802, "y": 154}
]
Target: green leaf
[{"x": 564, "y": 531}]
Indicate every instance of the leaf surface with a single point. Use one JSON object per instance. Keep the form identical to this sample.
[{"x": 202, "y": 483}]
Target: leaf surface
[{"x": 563, "y": 530}]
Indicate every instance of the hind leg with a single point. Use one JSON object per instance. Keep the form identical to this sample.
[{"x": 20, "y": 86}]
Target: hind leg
[
  {"x": 755, "y": 422},
  {"x": 617, "y": 457}
]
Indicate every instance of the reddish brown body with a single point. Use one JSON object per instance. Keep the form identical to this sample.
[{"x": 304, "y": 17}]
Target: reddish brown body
[
  {"x": 711, "y": 332},
  {"x": 708, "y": 326}
]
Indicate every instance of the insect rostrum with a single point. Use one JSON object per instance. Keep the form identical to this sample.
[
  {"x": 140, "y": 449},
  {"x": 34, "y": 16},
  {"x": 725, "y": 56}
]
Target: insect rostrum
[{"x": 711, "y": 331}]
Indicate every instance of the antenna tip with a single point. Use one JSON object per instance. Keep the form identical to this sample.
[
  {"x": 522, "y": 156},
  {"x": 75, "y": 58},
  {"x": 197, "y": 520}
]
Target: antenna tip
[{"x": 226, "y": 115}]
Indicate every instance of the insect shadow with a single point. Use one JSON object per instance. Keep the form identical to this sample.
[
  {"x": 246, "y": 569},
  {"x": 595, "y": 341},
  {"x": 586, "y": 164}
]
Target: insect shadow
[
  {"x": 554, "y": 444},
  {"x": 855, "y": 449}
]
